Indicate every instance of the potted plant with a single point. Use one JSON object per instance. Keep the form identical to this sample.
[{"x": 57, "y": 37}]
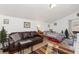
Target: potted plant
[
  {"x": 66, "y": 33},
  {"x": 3, "y": 36}
]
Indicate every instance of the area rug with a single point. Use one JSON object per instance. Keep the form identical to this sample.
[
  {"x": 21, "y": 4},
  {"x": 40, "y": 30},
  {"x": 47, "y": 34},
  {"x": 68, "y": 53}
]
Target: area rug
[{"x": 41, "y": 50}]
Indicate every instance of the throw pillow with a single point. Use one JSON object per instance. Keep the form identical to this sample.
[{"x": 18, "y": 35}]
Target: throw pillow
[{"x": 15, "y": 37}]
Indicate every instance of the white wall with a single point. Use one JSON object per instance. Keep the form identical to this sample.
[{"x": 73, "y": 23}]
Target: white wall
[
  {"x": 63, "y": 23},
  {"x": 17, "y": 24}
]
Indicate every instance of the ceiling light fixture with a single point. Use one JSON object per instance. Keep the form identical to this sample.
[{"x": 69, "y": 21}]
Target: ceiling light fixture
[{"x": 52, "y": 5}]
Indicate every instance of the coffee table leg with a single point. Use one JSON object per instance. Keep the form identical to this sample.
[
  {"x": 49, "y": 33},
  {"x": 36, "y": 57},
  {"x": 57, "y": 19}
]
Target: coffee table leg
[{"x": 31, "y": 48}]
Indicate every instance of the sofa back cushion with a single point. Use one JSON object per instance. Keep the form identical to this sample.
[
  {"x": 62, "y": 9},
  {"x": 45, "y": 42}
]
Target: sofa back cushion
[
  {"x": 26, "y": 35},
  {"x": 29, "y": 34},
  {"x": 23, "y": 35},
  {"x": 33, "y": 34},
  {"x": 15, "y": 37}
]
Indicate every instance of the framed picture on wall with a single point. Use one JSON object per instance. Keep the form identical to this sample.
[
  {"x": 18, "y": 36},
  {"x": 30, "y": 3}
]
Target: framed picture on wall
[
  {"x": 5, "y": 21},
  {"x": 27, "y": 24}
]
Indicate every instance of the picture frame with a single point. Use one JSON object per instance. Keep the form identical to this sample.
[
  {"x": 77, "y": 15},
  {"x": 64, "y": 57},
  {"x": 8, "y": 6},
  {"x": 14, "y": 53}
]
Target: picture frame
[
  {"x": 27, "y": 24},
  {"x": 5, "y": 21}
]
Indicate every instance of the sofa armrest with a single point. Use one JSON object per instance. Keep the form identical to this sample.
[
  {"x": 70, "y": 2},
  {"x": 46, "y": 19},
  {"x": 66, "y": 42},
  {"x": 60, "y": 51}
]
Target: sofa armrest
[{"x": 40, "y": 34}]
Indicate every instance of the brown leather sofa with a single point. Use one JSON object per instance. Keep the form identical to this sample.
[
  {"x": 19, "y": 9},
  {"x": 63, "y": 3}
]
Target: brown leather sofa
[{"x": 21, "y": 40}]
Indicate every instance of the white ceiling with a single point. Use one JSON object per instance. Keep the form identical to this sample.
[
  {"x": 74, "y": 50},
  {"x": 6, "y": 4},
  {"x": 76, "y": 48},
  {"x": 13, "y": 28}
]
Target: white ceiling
[{"x": 38, "y": 11}]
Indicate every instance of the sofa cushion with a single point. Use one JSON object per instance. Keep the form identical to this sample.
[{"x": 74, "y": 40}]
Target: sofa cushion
[
  {"x": 26, "y": 35},
  {"x": 36, "y": 39},
  {"x": 25, "y": 44},
  {"x": 15, "y": 37},
  {"x": 33, "y": 34},
  {"x": 20, "y": 34},
  {"x": 25, "y": 41},
  {"x": 11, "y": 41}
]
